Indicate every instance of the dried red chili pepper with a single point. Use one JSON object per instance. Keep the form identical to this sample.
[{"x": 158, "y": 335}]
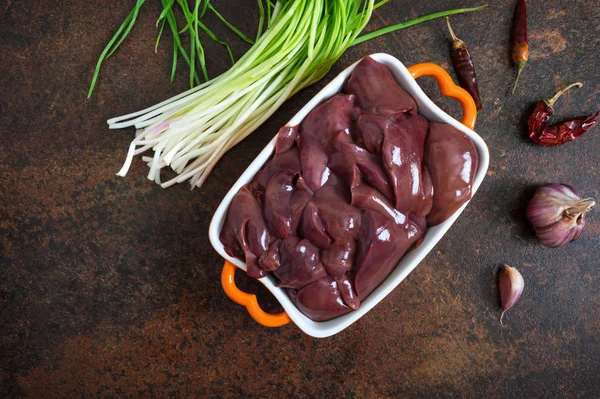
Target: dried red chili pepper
[
  {"x": 562, "y": 132},
  {"x": 463, "y": 66},
  {"x": 520, "y": 50}
]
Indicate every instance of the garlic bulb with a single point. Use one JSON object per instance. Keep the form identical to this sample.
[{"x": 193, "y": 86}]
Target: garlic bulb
[{"x": 556, "y": 213}]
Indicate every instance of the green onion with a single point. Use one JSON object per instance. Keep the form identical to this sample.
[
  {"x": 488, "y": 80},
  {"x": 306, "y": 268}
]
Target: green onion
[{"x": 190, "y": 132}]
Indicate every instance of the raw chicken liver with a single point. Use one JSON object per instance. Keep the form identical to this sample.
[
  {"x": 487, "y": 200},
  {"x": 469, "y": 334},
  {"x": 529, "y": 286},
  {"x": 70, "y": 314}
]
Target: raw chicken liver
[{"x": 348, "y": 192}]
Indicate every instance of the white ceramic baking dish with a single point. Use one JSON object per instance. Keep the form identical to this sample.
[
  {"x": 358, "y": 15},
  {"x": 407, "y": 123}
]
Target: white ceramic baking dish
[{"x": 406, "y": 79}]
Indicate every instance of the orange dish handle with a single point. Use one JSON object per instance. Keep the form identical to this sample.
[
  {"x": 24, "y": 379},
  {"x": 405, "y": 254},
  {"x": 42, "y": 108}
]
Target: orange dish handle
[
  {"x": 448, "y": 89},
  {"x": 249, "y": 300}
]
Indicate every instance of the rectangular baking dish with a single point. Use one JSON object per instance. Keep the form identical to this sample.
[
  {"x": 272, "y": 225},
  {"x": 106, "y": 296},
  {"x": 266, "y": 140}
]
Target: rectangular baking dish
[{"x": 406, "y": 79}]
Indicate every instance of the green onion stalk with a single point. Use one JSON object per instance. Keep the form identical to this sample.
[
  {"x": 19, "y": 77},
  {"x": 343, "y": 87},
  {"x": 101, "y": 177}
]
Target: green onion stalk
[{"x": 190, "y": 132}]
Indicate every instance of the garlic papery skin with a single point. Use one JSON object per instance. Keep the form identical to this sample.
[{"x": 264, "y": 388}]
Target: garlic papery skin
[
  {"x": 556, "y": 213},
  {"x": 510, "y": 286}
]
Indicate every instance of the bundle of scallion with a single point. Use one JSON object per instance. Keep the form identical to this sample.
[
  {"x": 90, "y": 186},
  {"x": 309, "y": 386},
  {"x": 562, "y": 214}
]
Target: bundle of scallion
[{"x": 191, "y": 132}]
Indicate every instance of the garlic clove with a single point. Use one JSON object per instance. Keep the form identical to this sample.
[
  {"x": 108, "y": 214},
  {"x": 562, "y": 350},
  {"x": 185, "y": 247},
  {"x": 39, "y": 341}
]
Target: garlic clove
[
  {"x": 556, "y": 212},
  {"x": 557, "y": 234},
  {"x": 580, "y": 225},
  {"x": 542, "y": 211},
  {"x": 510, "y": 285},
  {"x": 549, "y": 203},
  {"x": 565, "y": 189}
]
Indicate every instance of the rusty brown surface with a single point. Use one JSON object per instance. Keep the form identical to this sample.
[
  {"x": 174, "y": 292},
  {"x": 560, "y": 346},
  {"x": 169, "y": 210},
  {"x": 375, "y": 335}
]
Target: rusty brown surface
[{"x": 109, "y": 287}]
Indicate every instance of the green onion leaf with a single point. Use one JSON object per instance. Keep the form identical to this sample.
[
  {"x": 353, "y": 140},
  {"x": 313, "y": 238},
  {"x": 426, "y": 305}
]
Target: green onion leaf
[
  {"x": 261, "y": 19},
  {"x": 424, "y": 18},
  {"x": 136, "y": 10},
  {"x": 229, "y": 25},
  {"x": 125, "y": 26},
  {"x": 166, "y": 8},
  {"x": 162, "y": 26}
]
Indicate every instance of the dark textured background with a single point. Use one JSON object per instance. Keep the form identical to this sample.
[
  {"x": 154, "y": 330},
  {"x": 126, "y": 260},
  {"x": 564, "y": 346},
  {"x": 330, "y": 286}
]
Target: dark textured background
[{"x": 109, "y": 286}]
